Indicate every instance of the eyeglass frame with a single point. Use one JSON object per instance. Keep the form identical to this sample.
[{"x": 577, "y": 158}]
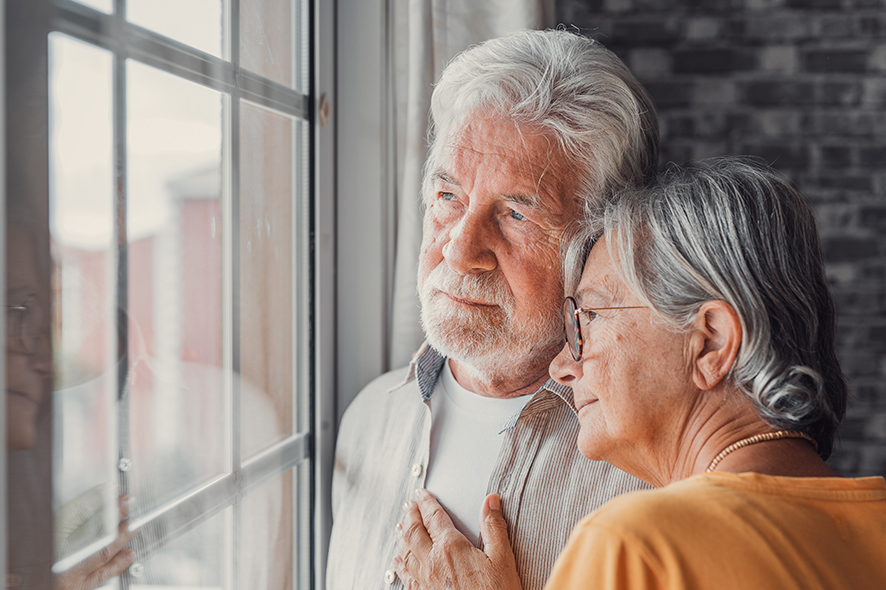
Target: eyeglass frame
[{"x": 572, "y": 324}]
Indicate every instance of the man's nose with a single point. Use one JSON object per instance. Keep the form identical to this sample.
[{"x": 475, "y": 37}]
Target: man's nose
[
  {"x": 468, "y": 250},
  {"x": 564, "y": 369}
]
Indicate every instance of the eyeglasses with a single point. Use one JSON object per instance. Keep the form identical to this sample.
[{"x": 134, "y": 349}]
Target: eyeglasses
[
  {"x": 22, "y": 329},
  {"x": 573, "y": 326}
]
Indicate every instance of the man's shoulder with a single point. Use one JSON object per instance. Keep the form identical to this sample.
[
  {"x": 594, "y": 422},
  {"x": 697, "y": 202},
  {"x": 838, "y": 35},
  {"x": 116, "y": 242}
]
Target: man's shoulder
[{"x": 383, "y": 390}]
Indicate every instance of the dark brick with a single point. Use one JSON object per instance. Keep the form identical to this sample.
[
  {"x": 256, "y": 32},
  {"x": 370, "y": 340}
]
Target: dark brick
[
  {"x": 870, "y": 394},
  {"x": 872, "y": 157},
  {"x": 647, "y": 32},
  {"x": 670, "y": 94},
  {"x": 577, "y": 11},
  {"x": 677, "y": 125},
  {"x": 848, "y": 248},
  {"x": 853, "y": 182},
  {"x": 836, "y": 60},
  {"x": 776, "y": 28},
  {"x": 712, "y": 61},
  {"x": 779, "y": 156},
  {"x": 787, "y": 92},
  {"x": 841, "y": 93},
  {"x": 815, "y": 4},
  {"x": 838, "y": 26},
  {"x": 835, "y": 156},
  {"x": 873, "y": 216},
  {"x": 860, "y": 364},
  {"x": 843, "y": 123},
  {"x": 872, "y": 26},
  {"x": 856, "y": 303}
]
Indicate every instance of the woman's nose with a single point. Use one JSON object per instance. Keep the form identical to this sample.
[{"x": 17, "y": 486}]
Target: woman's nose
[{"x": 564, "y": 369}]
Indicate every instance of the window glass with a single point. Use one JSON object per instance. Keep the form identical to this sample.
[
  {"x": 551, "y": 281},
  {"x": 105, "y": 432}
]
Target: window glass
[
  {"x": 266, "y": 39},
  {"x": 265, "y": 535},
  {"x": 266, "y": 286},
  {"x": 197, "y": 23},
  {"x": 193, "y": 561},
  {"x": 176, "y": 388},
  {"x": 84, "y": 332}
]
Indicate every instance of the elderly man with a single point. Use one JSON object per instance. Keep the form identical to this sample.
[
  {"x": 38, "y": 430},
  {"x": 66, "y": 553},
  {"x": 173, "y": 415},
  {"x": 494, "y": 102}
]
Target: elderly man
[{"x": 529, "y": 129}]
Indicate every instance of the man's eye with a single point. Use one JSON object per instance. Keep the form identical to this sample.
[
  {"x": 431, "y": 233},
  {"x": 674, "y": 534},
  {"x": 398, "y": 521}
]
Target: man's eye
[
  {"x": 446, "y": 196},
  {"x": 518, "y": 216}
]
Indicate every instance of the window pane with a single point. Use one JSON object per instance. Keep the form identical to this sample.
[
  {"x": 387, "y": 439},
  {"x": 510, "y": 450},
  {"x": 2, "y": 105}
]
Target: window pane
[
  {"x": 194, "y": 561},
  {"x": 178, "y": 400},
  {"x": 265, "y": 539},
  {"x": 84, "y": 312},
  {"x": 267, "y": 247},
  {"x": 266, "y": 33},
  {"x": 195, "y": 22}
]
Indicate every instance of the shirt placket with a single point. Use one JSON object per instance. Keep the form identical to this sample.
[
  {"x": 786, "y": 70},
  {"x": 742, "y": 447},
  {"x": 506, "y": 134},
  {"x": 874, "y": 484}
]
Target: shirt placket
[{"x": 415, "y": 479}]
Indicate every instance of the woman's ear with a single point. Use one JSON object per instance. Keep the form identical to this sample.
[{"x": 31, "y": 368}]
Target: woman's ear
[{"x": 716, "y": 338}]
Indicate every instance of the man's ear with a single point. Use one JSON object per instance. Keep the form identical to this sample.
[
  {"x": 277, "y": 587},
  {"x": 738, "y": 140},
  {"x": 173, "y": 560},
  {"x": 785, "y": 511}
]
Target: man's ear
[{"x": 715, "y": 341}]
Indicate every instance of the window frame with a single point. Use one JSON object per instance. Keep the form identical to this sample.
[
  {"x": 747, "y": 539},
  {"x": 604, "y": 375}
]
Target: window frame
[{"x": 312, "y": 443}]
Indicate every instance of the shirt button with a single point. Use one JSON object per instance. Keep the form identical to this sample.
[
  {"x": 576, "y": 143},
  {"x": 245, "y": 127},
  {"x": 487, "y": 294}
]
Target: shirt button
[
  {"x": 390, "y": 576},
  {"x": 416, "y": 469}
]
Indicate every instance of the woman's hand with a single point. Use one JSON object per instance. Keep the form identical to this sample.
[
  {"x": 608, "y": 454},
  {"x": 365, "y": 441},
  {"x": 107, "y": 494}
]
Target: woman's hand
[
  {"x": 103, "y": 565},
  {"x": 433, "y": 554}
]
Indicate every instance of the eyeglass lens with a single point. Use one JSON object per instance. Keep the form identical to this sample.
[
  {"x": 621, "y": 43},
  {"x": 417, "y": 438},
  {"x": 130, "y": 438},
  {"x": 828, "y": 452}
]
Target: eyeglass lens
[{"x": 572, "y": 328}]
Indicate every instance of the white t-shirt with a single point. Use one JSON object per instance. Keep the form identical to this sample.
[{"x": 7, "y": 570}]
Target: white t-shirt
[{"x": 466, "y": 437}]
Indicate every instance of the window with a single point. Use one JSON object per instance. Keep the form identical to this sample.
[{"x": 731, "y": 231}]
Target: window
[{"x": 167, "y": 206}]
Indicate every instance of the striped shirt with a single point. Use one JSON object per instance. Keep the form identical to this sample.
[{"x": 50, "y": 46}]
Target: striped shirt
[{"x": 545, "y": 484}]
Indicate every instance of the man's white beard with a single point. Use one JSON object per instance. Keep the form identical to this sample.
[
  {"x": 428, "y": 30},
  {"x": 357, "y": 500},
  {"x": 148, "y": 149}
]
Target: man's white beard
[{"x": 489, "y": 341}]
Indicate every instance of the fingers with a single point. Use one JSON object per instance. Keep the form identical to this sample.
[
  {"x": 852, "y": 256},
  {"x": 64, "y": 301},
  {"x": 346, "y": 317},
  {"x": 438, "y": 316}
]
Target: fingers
[
  {"x": 411, "y": 533},
  {"x": 494, "y": 530},
  {"x": 435, "y": 518},
  {"x": 114, "y": 567}
]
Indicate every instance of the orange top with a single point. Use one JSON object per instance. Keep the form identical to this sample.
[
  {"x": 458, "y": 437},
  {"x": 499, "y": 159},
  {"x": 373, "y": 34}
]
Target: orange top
[{"x": 733, "y": 531}]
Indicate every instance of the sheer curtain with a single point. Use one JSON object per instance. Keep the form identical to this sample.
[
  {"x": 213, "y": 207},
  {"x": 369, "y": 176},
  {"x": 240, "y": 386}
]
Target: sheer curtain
[{"x": 426, "y": 34}]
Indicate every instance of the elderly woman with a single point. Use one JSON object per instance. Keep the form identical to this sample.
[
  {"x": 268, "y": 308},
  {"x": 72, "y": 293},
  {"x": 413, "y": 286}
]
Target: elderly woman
[{"x": 700, "y": 349}]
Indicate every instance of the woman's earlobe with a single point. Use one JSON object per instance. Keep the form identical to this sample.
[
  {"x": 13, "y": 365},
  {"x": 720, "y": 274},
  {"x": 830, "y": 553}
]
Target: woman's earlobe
[{"x": 718, "y": 333}]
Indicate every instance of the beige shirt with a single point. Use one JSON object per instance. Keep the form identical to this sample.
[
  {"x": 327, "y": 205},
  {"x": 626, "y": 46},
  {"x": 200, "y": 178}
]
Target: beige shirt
[{"x": 545, "y": 484}]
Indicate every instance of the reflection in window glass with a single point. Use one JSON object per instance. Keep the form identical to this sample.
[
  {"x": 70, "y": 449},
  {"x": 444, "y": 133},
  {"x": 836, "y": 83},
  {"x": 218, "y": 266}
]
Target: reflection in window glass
[
  {"x": 197, "y": 23},
  {"x": 86, "y": 349},
  {"x": 266, "y": 295},
  {"x": 176, "y": 385},
  {"x": 265, "y": 535},
  {"x": 266, "y": 34},
  {"x": 106, "y": 6},
  {"x": 193, "y": 561}
]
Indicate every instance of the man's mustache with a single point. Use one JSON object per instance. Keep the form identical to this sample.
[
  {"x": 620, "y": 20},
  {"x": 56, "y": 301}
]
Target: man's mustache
[{"x": 489, "y": 287}]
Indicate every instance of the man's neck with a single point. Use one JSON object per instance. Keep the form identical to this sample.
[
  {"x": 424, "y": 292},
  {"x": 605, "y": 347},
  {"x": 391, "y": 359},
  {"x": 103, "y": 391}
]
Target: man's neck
[{"x": 500, "y": 386}]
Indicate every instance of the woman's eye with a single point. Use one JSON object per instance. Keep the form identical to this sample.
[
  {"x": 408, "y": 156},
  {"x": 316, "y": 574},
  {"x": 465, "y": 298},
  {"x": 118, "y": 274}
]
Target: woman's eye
[{"x": 518, "y": 216}]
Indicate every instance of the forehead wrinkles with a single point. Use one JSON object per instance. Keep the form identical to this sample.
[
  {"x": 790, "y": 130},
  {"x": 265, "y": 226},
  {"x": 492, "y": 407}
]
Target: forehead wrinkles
[{"x": 528, "y": 163}]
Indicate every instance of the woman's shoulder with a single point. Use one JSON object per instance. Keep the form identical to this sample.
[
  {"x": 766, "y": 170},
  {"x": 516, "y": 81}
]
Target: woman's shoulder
[{"x": 664, "y": 511}]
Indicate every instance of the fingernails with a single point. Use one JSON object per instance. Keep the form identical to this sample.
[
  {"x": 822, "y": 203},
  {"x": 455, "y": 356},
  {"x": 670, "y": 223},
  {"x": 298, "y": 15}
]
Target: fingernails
[
  {"x": 421, "y": 493},
  {"x": 494, "y": 502},
  {"x": 399, "y": 526}
]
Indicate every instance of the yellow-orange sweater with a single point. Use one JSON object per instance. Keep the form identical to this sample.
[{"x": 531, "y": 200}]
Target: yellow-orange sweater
[{"x": 733, "y": 531}]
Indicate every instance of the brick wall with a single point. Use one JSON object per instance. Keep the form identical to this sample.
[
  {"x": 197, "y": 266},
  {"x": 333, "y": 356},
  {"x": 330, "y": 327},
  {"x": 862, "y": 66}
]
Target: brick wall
[{"x": 802, "y": 84}]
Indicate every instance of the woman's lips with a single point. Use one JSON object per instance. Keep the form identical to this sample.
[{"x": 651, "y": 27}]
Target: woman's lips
[{"x": 583, "y": 404}]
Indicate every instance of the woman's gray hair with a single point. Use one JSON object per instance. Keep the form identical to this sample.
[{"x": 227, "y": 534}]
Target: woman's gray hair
[
  {"x": 732, "y": 229},
  {"x": 565, "y": 85}
]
